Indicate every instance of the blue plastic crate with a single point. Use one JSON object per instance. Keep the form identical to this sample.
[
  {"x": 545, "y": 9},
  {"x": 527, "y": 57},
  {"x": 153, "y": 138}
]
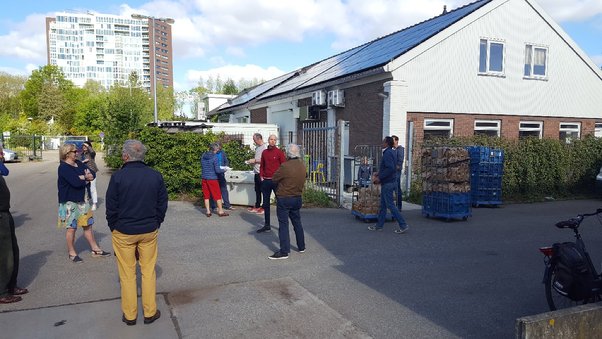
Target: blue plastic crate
[
  {"x": 487, "y": 168},
  {"x": 446, "y": 205},
  {"x": 478, "y": 182},
  {"x": 480, "y": 154},
  {"x": 487, "y": 196}
]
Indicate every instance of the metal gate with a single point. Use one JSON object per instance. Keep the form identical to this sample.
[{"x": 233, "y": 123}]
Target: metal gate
[
  {"x": 321, "y": 147},
  {"x": 27, "y": 146}
]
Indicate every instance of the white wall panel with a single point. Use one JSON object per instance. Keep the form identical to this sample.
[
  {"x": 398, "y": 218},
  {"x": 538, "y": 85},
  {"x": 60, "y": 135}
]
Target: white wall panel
[{"x": 445, "y": 77}]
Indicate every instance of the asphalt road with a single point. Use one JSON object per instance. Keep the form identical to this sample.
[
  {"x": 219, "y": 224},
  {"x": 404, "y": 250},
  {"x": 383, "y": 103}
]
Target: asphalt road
[{"x": 463, "y": 279}]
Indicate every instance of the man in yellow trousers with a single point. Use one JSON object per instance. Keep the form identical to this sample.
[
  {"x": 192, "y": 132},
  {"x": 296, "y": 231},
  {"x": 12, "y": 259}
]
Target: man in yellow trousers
[{"x": 136, "y": 203}]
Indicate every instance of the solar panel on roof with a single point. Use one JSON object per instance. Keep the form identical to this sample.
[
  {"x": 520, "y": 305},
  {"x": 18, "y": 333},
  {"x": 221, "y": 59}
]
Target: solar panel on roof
[
  {"x": 252, "y": 93},
  {"x": 367, "y": 56}
]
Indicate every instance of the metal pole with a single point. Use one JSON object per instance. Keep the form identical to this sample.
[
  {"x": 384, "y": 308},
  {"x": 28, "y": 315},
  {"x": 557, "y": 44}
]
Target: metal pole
[
  {"x": 340, "y": 126},
  {"x": 410, "y": 153},
  {"x": 155, "y": 75}
]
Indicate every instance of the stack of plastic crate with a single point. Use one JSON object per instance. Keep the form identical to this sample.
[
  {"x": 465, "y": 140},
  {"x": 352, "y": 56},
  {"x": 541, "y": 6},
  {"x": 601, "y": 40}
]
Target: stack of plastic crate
[
  {"x": 486, "y": 170},
  {"x": 446, "y": 183}
]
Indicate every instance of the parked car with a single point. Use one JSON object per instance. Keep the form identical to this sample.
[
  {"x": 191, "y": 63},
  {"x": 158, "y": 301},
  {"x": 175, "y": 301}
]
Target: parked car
[{"x": 10, "y": 155}]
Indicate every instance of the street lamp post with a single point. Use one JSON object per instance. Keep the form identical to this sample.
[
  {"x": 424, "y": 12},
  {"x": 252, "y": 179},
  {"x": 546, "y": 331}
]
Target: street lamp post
[{"x": 153, "y": 19}]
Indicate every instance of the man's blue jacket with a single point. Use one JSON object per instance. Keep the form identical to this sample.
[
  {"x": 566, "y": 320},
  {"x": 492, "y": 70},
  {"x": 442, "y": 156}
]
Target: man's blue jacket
[{"x": 136, "y": 200}]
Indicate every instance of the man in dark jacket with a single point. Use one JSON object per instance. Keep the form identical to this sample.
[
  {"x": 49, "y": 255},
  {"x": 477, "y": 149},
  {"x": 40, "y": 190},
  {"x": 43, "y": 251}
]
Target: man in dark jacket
[
  {"x": 136, "y": 204},
  {"x": 386, "y": 176},
  {"x": 400, "y": 159},
  {"x": 9, "y": 249},
  {"x": 290, "y": 178}
]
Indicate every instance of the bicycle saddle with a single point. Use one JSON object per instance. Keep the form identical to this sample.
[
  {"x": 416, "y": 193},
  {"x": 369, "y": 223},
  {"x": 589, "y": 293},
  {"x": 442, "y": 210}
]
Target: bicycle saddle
[{"x": 571, "y": 223}]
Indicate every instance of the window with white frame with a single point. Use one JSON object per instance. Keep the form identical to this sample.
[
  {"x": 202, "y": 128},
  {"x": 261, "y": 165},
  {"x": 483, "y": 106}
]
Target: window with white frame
[
  {"x": 438, "y": 128},
  {"x": 536, "y": 61},
  {"x": 487, "y": 127},
  {"x": 491, "y": 57},
  {"x": 569, "y": 131},
  {"x": 528, "y": 129},
  {"x": 598, "y": 130}
]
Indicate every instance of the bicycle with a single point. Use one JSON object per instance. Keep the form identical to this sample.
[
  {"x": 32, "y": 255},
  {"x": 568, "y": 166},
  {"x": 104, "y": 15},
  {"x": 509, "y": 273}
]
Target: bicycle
[{"x": 570, "y": 277}]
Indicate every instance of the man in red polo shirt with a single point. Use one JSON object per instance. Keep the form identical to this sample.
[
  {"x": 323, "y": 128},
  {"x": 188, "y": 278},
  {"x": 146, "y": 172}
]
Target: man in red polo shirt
[{"x": 271, "y": 158}]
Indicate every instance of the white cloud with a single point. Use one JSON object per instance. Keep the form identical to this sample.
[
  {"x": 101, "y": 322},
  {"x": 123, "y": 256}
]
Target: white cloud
[
  {"x": 13, "y": 71},
  {"x": 26, "y": 40},
  {"x": 234, "y": 72},
  {"x": 218, "y": 31},
  {"x": 572, "y": 10}
]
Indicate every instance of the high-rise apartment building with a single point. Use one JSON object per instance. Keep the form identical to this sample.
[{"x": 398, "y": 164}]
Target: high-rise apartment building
[{"x": 108, "y": 48}]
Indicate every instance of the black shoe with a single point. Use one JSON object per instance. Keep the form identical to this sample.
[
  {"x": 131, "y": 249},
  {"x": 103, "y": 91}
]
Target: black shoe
[
  {"x": 302, "y": 250},
  {"x": 128, "y": 322},
  {"x": 152, "y": 319},
  {"x": 278, "y": 255},
  {"x": 264, "y": 229}
]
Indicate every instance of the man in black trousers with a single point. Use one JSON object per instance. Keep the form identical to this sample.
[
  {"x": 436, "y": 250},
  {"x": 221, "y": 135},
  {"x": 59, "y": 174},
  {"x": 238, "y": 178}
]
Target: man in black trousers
[{"x": 9, "y": 249}]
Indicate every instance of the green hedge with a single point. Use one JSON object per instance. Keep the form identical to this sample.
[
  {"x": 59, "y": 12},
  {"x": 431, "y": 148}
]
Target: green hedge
[
  {"x": 536, "y": 168},
  {"x": 178, "y": 157}
]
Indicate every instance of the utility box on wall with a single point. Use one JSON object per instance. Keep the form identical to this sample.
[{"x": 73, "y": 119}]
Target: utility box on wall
[
  {"x": 336, "y": 98},
  {"x": 318, "y": 98}
]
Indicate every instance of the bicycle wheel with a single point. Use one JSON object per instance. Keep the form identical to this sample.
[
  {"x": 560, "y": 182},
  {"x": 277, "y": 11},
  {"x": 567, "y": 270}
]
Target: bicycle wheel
[{"x": 557, "y": 299}]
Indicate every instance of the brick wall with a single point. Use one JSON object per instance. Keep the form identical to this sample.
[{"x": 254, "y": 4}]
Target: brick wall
[
  {"x": 464, "y": 125},
  {"x": 364, "y": 111}
]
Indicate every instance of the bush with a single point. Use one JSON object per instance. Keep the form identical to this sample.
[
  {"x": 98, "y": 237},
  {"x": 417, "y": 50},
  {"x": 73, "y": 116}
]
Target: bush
[
  {"x": 535, "y": 168},
  {"x": 178, "y": 157},
  {"x": 314, "y": 198}
]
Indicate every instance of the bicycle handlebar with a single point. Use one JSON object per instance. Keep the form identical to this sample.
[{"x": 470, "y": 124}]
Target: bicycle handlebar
[
  {"x": 575, "y": 222},
  {"x": 598, "y": 211}
]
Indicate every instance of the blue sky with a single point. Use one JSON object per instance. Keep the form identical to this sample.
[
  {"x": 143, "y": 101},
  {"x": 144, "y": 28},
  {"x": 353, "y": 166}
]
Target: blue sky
[{"x": 262, "y": 38}]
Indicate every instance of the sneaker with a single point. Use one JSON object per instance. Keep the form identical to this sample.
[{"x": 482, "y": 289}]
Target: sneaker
[
  {"x": 302, "y": 250},
  {"x": 374, "y": 228},
  {"x": 264, "y": 229},
  {"x": 402, "y": 230},
  {"x": 260, "y": 211},
  {"x": 278, "y": 255},
  {"x": 152, "y": 319},
  {"x": 252, "y": 209},
  {"x": 100, "y": 254},
  {"x": 75, "y": 258}
]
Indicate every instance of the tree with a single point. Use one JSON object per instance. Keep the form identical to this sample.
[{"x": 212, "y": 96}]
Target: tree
[
  {"x": 10, "y": 106},
  {"x": 166, "y": 103},
  {"x": 244, "y": 83},
  {"x": 229, "y": 87},
  {"x": 50, "y": 102},
  {"x": 197, "y": 93},
  {"x": 127, "y": 111},
  {"x": 47, "y": 94}
]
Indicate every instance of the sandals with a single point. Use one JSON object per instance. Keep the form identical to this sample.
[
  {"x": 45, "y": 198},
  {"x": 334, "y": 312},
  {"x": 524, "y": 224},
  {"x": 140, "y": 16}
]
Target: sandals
[
  {"x": 100, "y": 253},
  {"x": 18, "y": 291},
  {"x": 75, "y": 258},
  {"x": 208, "y": 215},
  {"x": 223, "y": 214},
  {"x": 7, "y": 299}
]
